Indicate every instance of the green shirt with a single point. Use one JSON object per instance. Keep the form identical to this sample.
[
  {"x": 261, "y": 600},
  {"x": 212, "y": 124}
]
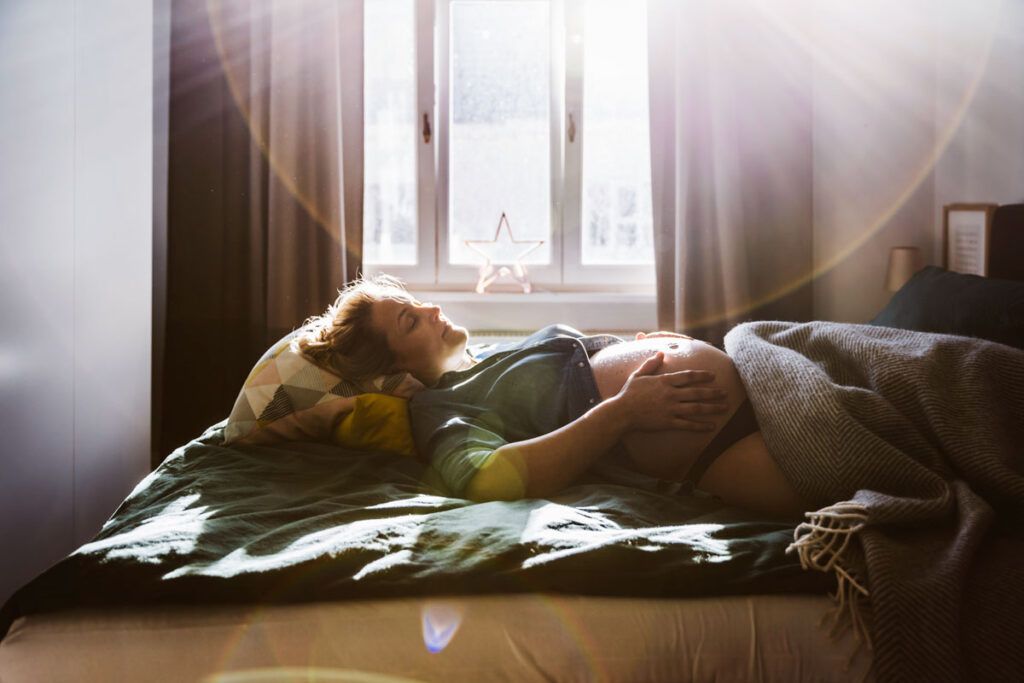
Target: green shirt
[{"x": 517, "y": 391}]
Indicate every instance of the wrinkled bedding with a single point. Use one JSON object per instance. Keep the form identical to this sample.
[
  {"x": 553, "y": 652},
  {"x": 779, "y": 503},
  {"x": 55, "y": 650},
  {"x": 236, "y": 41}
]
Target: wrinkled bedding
[
  {"x": 912, "y": 445},
  {"x": 306, "y": 522}
]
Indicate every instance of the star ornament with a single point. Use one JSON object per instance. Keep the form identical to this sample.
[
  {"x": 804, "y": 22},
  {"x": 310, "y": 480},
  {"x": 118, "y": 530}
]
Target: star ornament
[{"x": 503, "y": 249}]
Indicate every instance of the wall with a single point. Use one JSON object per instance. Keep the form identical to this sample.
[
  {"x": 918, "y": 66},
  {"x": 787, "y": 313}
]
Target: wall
[
  {"x": 874, "y": 137},
  {"x": 75, "y": 271},
  {"x": 916, "y": 105},
  {"x": 984, "y": 158}
]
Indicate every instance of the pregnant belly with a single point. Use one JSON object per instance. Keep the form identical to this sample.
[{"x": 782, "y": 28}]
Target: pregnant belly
[{"x": 668, "y": 454}]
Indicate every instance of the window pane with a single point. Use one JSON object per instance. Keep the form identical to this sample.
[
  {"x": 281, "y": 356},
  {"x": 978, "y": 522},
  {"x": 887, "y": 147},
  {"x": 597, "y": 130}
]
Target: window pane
[
  {"x": 616, "y": 220},
  {"x": 389, "y": 128},
  {"x": 500, "y": 127}
]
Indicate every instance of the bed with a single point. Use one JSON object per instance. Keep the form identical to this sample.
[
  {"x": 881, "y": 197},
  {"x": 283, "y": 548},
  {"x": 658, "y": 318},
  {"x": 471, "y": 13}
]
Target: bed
[
  {"x": 309, "y": 561},
  {"x": 305, "y": 556}
]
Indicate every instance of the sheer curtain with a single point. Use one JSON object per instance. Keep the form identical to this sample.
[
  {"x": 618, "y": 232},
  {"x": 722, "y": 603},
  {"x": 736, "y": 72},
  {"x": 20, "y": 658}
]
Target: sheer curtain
[
  {"x": 730, "y": 96},
  {"x": 264, "y": 188}
]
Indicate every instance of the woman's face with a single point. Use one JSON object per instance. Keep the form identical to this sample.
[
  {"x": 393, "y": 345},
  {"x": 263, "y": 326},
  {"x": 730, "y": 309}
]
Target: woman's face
[{"x": 424, "y": 342}]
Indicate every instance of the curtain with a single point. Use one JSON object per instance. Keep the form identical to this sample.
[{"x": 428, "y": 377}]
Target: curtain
[
  {"x": 730, "y": 107},
  {"x": 264, "y": 188}
]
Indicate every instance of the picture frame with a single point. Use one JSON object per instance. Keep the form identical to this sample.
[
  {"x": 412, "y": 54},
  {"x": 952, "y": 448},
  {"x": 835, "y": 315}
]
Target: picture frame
[{"x": 966, "y": 237}]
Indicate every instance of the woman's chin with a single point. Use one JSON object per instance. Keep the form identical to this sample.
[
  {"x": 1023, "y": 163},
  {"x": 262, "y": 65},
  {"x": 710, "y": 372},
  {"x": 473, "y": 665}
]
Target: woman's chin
[{"x": 455, "y": 334}]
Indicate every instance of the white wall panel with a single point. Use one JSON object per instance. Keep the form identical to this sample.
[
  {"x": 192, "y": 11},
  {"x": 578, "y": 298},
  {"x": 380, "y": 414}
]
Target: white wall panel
[
  {"x": 75, "y": 271},
  {"x": 37, "y": 132},
  {"x": 113, "y": 243}
]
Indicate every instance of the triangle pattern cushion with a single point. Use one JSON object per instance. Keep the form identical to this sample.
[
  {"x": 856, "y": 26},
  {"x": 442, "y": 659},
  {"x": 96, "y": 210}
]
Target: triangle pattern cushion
[
  {"x": 288, "y": 396},
  {"x": 267, "y": 374},
  {"x": 257, "y": 398},
  {"x": 312, "y": 378},
  {"x": 278, "y": 407}
]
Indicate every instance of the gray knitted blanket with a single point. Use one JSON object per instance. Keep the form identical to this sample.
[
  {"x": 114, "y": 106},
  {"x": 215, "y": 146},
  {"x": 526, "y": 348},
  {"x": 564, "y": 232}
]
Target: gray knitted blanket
[{"x": 912, "y": 446}]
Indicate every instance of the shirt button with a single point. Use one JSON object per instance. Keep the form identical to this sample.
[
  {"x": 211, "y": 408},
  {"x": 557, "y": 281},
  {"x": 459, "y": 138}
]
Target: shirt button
[
  {"x": 591, "y": 401},
  {"x": 580, "y": 364}
]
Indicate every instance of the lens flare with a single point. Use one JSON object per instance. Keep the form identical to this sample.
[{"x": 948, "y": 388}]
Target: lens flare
[
  {"x": 866, "y": 67},
  {"x": 441, "y": 621},
  {"x": 235, "y": 64}
]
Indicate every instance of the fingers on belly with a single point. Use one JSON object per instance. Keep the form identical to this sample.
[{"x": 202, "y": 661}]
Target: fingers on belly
[{"x": 670, "y": 454}]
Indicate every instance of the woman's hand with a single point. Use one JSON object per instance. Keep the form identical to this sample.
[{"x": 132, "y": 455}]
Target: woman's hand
[
  {"x": 650, "y": 402},
  {"x": 655, "y": 335}
]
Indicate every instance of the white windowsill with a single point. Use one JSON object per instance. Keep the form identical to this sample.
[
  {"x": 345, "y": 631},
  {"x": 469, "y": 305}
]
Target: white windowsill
[{"x": 524, "y": 313}]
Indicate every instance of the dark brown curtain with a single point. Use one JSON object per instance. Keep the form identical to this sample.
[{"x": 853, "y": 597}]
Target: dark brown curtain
[
  {"x": 731, "y": 154},
  {"x": 264, "y": 196}
]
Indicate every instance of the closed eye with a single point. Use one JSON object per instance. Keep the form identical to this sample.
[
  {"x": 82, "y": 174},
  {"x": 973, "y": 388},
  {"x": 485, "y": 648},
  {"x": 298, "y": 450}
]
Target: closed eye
[
  {"x": 404, "y": 312},
  {"x": 411, "y": 317}
]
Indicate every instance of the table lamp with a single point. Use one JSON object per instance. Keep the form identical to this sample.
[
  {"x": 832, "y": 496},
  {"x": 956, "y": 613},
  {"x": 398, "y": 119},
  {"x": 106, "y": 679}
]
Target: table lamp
[{"x": 903, "y": 263}]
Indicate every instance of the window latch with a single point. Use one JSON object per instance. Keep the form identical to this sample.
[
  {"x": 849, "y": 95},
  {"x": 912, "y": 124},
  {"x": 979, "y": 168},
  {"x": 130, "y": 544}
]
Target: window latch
[{"x": 426, "y": 129}]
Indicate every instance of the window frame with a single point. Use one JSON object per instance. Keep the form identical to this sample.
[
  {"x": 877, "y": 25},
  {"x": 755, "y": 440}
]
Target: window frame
[
  {"x": 575, "y": 273},
  {"x": 566, "y": 272},
  {"x": 424, "y": 271}
]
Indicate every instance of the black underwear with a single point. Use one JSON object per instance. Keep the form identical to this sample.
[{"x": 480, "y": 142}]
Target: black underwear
[{"x": 742, "y": 423}]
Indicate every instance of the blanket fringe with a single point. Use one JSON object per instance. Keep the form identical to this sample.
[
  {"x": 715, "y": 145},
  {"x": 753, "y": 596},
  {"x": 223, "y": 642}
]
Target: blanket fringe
[{"x": 821, "y": 543}]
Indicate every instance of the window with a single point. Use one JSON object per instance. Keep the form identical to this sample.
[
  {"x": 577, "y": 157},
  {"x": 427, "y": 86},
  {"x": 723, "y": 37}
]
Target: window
[
  {"x": 389, "y": 133},
  {"x": 616, "y": 205},
  {"x": 532, "y": 108}
]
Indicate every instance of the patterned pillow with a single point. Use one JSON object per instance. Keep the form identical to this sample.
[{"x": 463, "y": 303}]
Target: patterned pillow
[{"x": 286, "y": 397}]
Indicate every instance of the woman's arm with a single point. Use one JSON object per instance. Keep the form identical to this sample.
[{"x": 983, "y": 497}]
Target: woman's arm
[{"x": 546, "y": 464}]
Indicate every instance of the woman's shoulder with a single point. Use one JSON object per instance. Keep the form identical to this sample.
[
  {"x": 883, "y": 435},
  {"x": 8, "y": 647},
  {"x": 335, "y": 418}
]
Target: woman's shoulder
[
  {"x": 556, "y": 330},
  {"x": 483, "y": 351}
]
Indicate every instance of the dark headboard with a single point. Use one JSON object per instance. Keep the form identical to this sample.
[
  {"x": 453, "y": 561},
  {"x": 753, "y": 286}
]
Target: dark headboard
[
  {"x": 937, "y": 300},
  {"x": 1006, "y": 250}
]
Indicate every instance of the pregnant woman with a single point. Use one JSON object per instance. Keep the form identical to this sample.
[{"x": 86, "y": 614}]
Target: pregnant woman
[{"x": 528, "y": 419}]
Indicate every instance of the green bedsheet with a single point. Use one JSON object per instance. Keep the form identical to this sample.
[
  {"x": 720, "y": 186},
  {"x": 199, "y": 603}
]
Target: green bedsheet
[{"x": 300, "y": 522}]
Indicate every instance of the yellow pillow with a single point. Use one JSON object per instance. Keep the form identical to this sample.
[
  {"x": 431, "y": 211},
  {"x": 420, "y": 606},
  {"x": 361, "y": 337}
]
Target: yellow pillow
[{"x": 378, "y": 422}]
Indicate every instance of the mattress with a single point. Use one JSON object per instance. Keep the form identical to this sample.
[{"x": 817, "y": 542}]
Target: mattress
[{"x": 498, "y": 637}]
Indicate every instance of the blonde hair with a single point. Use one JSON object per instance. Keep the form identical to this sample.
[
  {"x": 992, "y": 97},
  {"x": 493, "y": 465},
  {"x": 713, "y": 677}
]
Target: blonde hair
[{"x": 343, "y": 341}]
